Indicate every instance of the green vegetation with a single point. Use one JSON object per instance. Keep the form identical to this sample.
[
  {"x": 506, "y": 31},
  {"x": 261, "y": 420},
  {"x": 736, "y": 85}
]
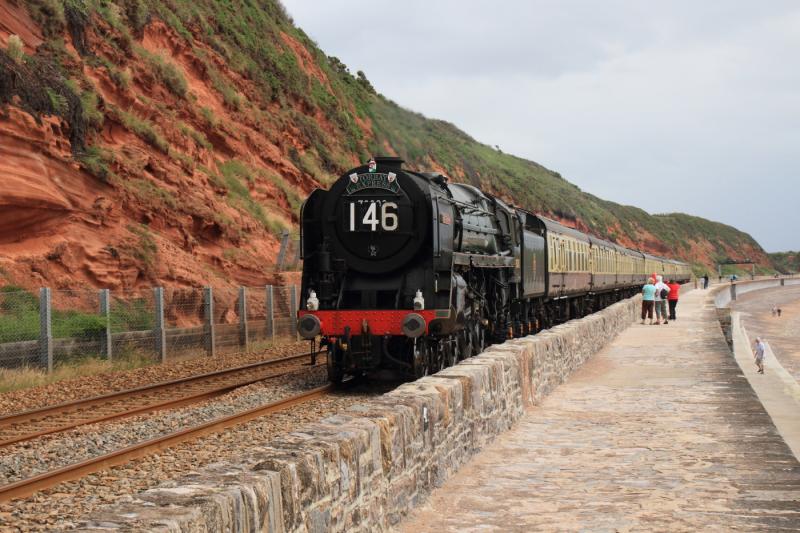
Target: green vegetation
[
  {"x": 234, "y": 177},
  {"x": 96, "y": 161},
  {"x": 146, "y": 250},
  {"x": 120, "y": 77},
  {"x": 230, "y": 95},
  {"x": 290, "y": 193},
  {"x": 786, "y": 262},
  {"x": 144, "y": 129},
  {"x": 197, "y": 136},
  {"x": 91, "y": 114},
  {"x": 15, "y": 49},
  {"x": 151, "y": 194},
  {"x": 209, "y": 116},
  {"x": 132, "y": 314},
  {"x": 19, "y": 318},
  {"x": 166, "y": 71}
]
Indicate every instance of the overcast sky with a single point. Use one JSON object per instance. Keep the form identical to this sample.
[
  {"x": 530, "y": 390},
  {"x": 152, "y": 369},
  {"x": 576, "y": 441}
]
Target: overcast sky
[{"x": 670, "y": 106}]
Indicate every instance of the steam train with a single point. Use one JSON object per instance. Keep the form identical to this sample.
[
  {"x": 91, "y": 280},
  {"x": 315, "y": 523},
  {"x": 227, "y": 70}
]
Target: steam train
[{"x": 407, "y": 273}]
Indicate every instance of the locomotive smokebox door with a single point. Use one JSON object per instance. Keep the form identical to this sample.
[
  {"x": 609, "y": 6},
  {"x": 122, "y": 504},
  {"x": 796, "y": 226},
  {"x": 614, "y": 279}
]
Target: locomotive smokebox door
[{"x": 375, "y": 225}]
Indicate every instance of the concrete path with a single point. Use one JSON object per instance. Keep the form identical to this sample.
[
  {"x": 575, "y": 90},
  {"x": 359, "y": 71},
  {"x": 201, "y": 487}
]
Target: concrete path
[
  {"x": 660, "y": 431},
  {"x": 782, "y": 333},
  {"x": 777, "y": 388}
]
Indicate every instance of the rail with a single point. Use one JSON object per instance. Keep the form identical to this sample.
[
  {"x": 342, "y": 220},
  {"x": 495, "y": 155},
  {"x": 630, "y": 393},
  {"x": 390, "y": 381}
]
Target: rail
[
  {"x": 26, "y": 487},
  {"x": 16, "y": 427}
]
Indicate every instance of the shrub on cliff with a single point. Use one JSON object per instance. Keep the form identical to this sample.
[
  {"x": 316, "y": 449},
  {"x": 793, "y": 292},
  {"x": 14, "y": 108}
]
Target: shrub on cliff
[{"x": 15, "y": 49}]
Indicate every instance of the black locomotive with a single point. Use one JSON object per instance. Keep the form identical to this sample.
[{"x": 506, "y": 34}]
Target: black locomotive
[{"x": 408, "y": 273}]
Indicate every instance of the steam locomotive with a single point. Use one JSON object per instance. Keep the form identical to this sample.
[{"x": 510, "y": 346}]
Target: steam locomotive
[{"x": 407, "y": 273}]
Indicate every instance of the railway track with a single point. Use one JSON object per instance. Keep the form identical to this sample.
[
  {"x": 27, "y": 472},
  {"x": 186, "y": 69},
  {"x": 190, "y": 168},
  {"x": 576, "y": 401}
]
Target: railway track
[
  {"x": 26, "y": 487},
  {"x": 28, "y": 425}
]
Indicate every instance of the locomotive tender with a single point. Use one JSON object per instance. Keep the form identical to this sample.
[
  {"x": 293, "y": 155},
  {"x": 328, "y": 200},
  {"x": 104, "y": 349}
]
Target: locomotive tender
[{"x": 408, "y": 273}]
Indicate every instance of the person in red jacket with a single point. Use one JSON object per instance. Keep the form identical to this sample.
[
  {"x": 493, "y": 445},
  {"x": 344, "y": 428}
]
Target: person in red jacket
[{"x": 672, "y": 297}]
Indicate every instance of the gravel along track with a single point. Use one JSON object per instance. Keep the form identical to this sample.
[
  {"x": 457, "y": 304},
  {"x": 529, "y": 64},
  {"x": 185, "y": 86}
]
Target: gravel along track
[
  {"x": 105, "y": 383},
  {"x": 61, "y": 507},
  {"x": 194, "y": 389}
]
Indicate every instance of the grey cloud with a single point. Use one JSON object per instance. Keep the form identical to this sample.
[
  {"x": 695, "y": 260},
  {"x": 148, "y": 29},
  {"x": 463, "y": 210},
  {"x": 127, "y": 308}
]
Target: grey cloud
[{"x": 622, "y": 97}]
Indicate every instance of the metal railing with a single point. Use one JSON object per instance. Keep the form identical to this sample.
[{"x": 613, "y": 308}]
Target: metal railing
[{"x": 58, "y": 327}]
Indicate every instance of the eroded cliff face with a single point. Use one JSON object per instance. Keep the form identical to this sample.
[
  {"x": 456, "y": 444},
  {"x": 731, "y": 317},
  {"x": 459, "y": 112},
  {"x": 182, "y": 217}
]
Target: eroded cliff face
[
  {"x": 148, "y": 143},
  {"x": 163, "y": 213}
]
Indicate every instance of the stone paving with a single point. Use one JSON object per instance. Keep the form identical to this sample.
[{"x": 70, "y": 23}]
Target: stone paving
[{"x": 660, "y": 431}]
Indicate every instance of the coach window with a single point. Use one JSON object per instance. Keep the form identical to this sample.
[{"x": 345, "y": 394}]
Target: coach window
[
  {"x": 555, "y": 254},
  {"x": 572, "y": 255}
]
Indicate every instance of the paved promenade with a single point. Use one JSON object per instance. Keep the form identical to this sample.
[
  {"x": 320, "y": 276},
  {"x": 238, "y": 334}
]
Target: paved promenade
[
  {"x": 782, "y": 333},
  {"x": 660, "y": 431}
]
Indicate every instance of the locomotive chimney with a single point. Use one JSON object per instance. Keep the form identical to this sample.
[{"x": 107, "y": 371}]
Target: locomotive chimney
[{"x": 389, "y": 163}]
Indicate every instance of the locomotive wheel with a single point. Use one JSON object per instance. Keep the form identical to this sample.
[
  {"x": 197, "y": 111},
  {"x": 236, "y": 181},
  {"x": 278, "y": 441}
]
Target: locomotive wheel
[
  {"x": 438, "y": 357},
  {"x": 335, "y": 373},
  {"x": 450, "y": 351},
  {"x": 469, "y": 345},
  {"x": 476, "y": 339},
  {"x": 422, "y": 360}
]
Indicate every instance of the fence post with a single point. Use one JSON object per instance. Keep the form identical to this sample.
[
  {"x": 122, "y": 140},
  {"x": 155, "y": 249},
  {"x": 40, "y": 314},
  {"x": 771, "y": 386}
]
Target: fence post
[
  {"x": 733, "y": 291},
  {"x": 105, "y": 312},
  {"x": 293, "y": 310},
  {"x": 211, "y": 334},
  {"x": 244, "y": 333},
  {"x": 270, "y": 312},
  {"x": 159, "y": 331},
  {"x": 45, "y": 330},
  {"x": 282, "y": 253},
  {"x": 298, "y": 253}
]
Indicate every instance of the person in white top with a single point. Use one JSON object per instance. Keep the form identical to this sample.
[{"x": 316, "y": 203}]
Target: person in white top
[
  {"x": 758, "y": 352},
  {"x": 661, "y": 300}
]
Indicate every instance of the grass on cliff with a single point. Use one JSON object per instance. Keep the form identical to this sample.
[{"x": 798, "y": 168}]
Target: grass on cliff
[
  {"x": 786, "y": 262},
  {"x": 234, "y": 177},
  {"x": 166, "y": 71},
  {"x": 144, "y": 128}
]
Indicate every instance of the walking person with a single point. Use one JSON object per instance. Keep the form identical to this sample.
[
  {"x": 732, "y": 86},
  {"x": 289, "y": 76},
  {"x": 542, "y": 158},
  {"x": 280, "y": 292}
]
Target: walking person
[
  {"x": 705, "y": 281},
  {"x": 662, "y": 292},
  {"x": 648, "y": 298},
  {"x": 758, "y": 353},
  {"x": 672, "y": 298}
]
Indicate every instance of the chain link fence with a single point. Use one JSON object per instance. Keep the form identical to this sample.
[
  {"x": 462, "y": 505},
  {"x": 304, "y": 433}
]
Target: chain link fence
[
  {"x": 19, "y": 327},
  {"x": 61, "y": 327}
]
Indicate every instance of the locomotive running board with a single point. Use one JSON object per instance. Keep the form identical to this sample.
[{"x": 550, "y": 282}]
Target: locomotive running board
[{"x": 485, "y": 261}]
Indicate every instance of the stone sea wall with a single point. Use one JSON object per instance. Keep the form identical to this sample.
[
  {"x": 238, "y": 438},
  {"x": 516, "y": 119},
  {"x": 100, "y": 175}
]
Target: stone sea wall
[{"x": 365, "y": 469}]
